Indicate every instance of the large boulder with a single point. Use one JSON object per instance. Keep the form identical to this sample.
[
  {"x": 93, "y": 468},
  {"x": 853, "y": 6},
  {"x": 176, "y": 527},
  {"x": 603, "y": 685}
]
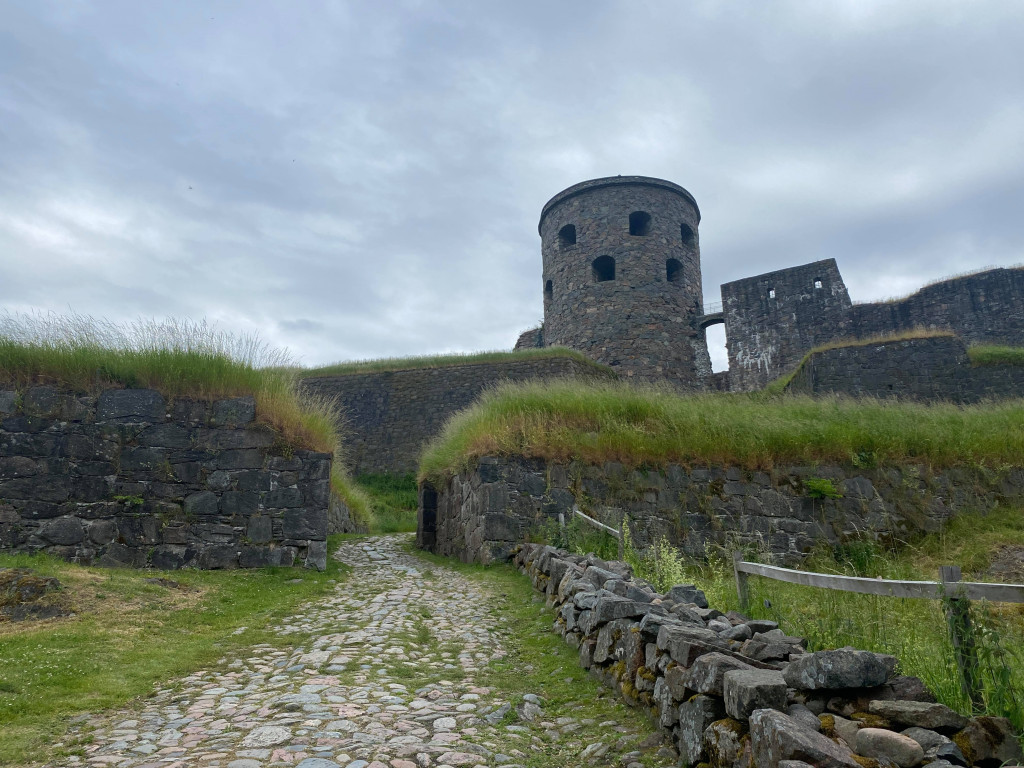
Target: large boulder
[
  {"x": 989, "y": 739},
  {"x": 889, "y": 746},
  {"x": 747, "y": 690}
]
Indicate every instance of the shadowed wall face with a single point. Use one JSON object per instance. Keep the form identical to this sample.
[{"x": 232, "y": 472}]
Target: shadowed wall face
[{"x": 625, "y": 287}]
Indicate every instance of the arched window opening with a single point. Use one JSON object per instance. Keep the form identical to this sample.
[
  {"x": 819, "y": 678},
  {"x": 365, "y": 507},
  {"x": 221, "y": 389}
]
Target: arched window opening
[
  {"x": 639, "y": 223},
  {"x": 687, "y": 234},
  {"x": 674, "y": 270},
  {"x": 567, "y": 235},
  {"x": 548, "y": 290},
  {"x": 603, "y": 269},
  {"x": 817, "y": 282}
]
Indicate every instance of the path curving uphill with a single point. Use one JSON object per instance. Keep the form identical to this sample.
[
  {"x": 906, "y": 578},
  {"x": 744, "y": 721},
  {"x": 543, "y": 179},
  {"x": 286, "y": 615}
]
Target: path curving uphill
[{"x": 389, "y": 672}]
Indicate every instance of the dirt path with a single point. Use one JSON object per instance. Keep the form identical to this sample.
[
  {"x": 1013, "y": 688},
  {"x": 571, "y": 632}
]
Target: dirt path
[{"x": 391, "y": 678}]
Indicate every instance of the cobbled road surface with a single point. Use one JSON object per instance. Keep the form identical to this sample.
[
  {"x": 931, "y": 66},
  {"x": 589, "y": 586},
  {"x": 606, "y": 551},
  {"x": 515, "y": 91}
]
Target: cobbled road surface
[{"x": 389, "y": 678}]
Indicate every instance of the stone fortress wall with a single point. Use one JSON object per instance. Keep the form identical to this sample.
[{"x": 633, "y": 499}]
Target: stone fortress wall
[
  {"x": 622, "y": 284},
  {"x": 128, "y": 479},
  {"x": 926, "y": 369},
  {"x": 389, "y": 416}
]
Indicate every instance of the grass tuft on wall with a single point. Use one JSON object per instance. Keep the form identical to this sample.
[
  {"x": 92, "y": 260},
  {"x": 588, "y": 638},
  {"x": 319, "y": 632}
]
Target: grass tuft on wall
[
  {"x": 179, "y": 358},
  {"x": 637, "y": 426},
  {"x": 996, "y": 355}
]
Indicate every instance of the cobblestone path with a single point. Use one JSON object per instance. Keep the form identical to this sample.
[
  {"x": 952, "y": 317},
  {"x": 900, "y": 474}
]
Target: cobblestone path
[{"x": 389, "y": 679}]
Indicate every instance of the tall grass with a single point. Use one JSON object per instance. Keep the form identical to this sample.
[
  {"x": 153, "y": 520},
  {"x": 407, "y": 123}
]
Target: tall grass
[
  {"x": 179, "y": 358},
  {"x": 386, "y": 364},
  {"x": 594, "y": 423},
  {"x": 394, "y": 500}
]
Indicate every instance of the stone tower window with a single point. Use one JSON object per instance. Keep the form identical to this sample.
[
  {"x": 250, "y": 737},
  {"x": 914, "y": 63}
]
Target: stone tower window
[
  {"x": 817, "y": 282},
  {"x": 548, "y": 290},
  {"x": 567, "y": 235},
  {"x": 603, "y": 269},
  {"x": 674, "y": 270},
  {"x": 689, "y": 238},
  {"x": 771, "y": 293},
  {"x": 639, "y": 223}
]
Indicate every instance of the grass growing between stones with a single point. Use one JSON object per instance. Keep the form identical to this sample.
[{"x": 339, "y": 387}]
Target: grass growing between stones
[
  {"x": 388, "y": 364},
  {"x": 563, "y": 421},
  {"x": 127, "y": 637},
  {"x": 393, "y": 500},
  {"x": 539, "y": 662}
]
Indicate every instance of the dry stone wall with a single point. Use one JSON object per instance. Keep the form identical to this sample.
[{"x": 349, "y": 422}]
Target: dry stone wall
[
  {"x": 734, "y": 692},
  {"x": 483, "y": 513},
  {"x": 390, "y": 415},
  {"x": 128, "y": 479},
  {"x": 927, "y": 369}
]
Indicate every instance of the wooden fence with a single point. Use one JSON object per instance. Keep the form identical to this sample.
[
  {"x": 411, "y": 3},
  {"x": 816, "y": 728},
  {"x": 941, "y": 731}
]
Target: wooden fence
[{"x": 955, "y": 594}]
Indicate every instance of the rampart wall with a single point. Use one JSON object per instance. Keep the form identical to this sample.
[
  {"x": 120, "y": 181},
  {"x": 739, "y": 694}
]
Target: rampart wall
[
  {"x": 482, "y": 514},
  {"x": 773, "y": 320},
  {"x": 390, "y": 415},
  {"x": 926, "y": 369},
  {"x": 128, "y": 479}
]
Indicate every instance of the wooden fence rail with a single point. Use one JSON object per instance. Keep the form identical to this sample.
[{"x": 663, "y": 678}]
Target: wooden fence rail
[{"x": 955, "y": 594}]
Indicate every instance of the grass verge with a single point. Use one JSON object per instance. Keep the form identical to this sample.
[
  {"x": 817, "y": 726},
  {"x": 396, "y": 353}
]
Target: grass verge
[
  {"x": 129, "y": 635},
  {"x": 441, "y": 361},
  {"x": 393, "y": 499},
  {"x": 594, "y": 423}
]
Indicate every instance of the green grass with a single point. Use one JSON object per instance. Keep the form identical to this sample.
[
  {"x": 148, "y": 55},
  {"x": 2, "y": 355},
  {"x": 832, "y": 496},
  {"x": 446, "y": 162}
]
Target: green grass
[
  {"x": 176, "y": 357},
  {"x": 594, "y": 423},
  {"x": 360, "y": 504},
  {"x": 127, "y": 637},
  {"x": 393, "y": 500},
  {"x": 441, "y": 361},
  {"x": 996, "y": 355}
]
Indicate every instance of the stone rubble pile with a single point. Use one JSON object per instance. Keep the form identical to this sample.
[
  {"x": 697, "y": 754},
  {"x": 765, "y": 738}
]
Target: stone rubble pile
[{"x": 730, "y": 691}]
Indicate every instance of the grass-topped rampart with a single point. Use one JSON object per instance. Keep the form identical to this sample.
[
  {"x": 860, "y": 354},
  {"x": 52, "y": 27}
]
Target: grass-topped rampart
[
  {"x": 644, "y": 426},
  {"x": 996, "y": 355},
  {"x": 178, "y": 358},
  {"x": 388, "y": 364}
]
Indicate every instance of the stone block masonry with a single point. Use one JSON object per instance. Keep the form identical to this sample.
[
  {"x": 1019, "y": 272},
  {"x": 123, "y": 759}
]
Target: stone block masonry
[
  {"x": 926, "y": 369},
  {"x": 389, "y": 416},
  {"x": 732, "y": 692},
  {"x": 128, "y": 479},
  {"x": 482, "y": 514}
]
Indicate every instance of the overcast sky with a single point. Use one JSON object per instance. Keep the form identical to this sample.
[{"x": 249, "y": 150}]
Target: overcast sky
[{"x": 364, "y": 179}]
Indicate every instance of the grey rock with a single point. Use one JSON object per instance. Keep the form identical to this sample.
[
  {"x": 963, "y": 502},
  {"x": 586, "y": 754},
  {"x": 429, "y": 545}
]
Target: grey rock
[
  {"x": 236, "y": 411},
  {"x": 936, "y": 717},
  {"x": 846, "y": 729},
  {"x": 695, "y": 716},
  {"x": 844, "y": 668},
  {"x": 990, "y": 738},
  {"x": 776, "y": 737},
  {"x": 318, "y": 762},
  {"x": 688, "y": 593},
  {"x": 926, "y": 738},
  {"x": 685, "y": 643},
  {"x": 803, "y": 715},
  {"x": 316, "y": 555},
  {"x": 63, "y": 531},
  {"x": 267, "y": 736},
  {"x": 748, "y": 690},
  {"x": 888, "y": 745},
  {"x": 707, "y": 673},
  {"x": 131, "y": 405},
  {"x": 8, "y": 401}
]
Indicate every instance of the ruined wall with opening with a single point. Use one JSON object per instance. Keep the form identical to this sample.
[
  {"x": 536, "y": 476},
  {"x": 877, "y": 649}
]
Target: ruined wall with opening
[
  {"x": 390, "y": 415},
  {"x": 129, "y": 479}
]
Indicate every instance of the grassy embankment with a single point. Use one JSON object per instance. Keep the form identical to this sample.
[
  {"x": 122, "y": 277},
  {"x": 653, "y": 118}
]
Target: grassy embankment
[
  {"x": 388, "y": 364},
  {"x": 565, "y": 421},
  {"x": 128, "y": 635},
  {"x": 594, "y": 423}
]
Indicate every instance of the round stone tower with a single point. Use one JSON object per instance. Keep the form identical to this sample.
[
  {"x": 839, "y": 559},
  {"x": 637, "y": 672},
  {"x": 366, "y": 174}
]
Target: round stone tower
[{"x": 622, "y": 277}]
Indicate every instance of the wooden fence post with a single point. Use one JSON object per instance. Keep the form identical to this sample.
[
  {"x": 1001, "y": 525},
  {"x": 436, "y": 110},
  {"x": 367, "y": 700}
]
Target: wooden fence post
[
  {"x": 961, "y": 633},
  {"x": 622, "y": 546},
  {"x": 741, "y": 580}
]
